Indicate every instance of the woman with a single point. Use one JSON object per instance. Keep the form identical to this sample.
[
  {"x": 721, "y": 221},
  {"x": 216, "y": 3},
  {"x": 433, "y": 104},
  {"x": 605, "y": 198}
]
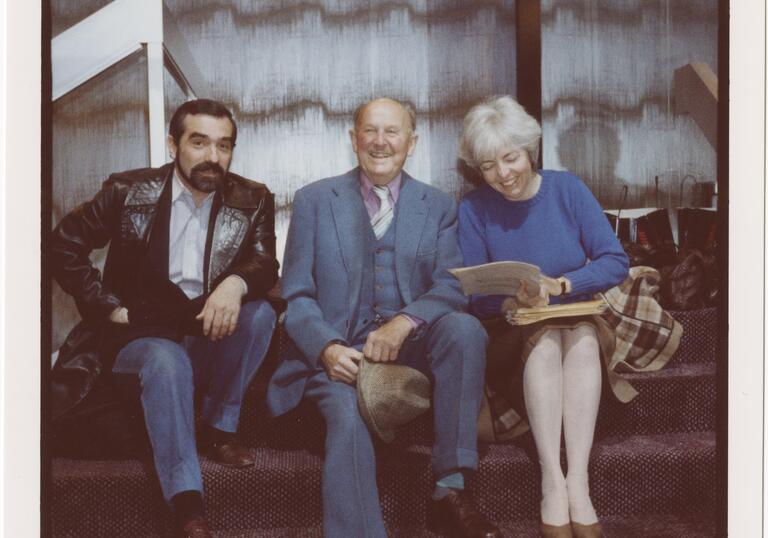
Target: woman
[{"x": 550, "y": 371}]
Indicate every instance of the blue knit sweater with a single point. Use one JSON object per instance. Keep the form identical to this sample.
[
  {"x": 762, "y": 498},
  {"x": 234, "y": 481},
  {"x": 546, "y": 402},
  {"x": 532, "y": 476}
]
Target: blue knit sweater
[{"x": 562, "y": 229}]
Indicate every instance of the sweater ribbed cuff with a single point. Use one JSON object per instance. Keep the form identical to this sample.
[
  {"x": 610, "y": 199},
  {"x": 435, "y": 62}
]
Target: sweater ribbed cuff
[{"x": 580, "y": 281}]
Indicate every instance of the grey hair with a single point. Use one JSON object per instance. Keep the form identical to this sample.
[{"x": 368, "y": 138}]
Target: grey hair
[
  {"x": 494, "y": 125},
  {"x": 408, "y": 107}
]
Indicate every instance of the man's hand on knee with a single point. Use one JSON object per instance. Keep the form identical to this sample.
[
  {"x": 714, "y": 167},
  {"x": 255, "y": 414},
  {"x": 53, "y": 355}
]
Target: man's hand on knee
[
  {"x": 119, "y": 315},
  {"x": 384, "y": 343},
  {"x": 340, "y": 362},
  {"x": 221, "y": 310}
]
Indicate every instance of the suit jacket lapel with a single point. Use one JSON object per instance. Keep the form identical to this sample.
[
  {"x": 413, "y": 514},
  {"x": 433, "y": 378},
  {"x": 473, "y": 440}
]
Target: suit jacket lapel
[
  {"x": 229, "y": 227},
  {"x": 158, "y": 239},
  {"x": 351, "y": 219},
  {"x": 410, "y": 218},
  {"x": 140, "y": 206}
]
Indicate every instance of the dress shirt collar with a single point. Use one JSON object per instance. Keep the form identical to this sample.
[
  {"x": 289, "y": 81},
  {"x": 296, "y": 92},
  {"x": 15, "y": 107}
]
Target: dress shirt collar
[
  {"x": 178, "y": 189},
  {"x": 366, "y": 187}
]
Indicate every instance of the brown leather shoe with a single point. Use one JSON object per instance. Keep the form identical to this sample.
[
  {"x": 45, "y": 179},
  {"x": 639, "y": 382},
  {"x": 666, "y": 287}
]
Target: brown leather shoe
[
  {"x": 594, "y": 530},
  {"x": 232, "y": 454},
  {"x": 457, "y": 516},
  {"x": 555, "y": 531},
  {"x": 195, "y": 528}
]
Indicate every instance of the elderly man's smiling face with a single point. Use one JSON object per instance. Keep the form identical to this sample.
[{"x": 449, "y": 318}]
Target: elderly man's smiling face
[{"x": 383, "y": 139}]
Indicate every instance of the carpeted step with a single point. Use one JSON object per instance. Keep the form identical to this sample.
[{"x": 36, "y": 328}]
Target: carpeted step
[
  {"x": 639, "y": 467},
  {"x": 653, "y": 526},
  {"x": 645, "y": 526},
  {"x": 699, "y": 342},
  {"x": 670, "y": 474},
  {"x": 679, "y": 398}
]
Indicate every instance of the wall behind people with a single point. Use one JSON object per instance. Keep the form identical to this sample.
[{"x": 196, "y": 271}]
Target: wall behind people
[
  {"x": 608, "y": 95},
  {"x": 293, "y": 73}
]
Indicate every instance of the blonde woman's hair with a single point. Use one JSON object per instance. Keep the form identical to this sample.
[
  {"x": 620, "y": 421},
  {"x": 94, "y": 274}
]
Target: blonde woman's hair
[{"x": 497, "y": 124}]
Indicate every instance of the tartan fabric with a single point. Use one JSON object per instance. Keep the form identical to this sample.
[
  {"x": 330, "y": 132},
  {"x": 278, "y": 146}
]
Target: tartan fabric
[
  {"x": 646, "y": 335},
  {"x": 499, "y": 420}
]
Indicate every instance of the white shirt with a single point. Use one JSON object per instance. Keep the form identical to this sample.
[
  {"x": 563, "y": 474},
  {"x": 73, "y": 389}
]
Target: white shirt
[{"x": 186, "y": 238}]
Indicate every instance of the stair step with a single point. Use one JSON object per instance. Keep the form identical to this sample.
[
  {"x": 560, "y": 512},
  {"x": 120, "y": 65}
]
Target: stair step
[
  {"x": 652, "y": 470},
  {"x": 660, "y": 474},
  {"x": 678, "y": 398},
  {"x": 700, "y": 336},
  {"x": 653, "y": 474},
  {"x": 653, "y": 526}
]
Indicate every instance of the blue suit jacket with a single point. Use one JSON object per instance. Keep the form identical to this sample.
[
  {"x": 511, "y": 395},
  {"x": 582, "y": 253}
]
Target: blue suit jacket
[{"x": 323, "y": 264}]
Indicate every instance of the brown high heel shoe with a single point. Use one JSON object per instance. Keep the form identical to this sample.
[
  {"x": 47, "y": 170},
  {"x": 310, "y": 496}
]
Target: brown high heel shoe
[
  {"x": 555, "y": 531},
  {"x": 593, "y": 530}
]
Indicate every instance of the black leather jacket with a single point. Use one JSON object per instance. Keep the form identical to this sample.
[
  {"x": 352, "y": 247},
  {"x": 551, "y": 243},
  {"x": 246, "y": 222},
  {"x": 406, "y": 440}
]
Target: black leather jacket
[{"x": 131, "y": 211}]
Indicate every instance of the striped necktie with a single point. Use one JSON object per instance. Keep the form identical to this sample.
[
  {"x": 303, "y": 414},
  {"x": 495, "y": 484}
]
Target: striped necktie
[{"x": 383, "y": 218}]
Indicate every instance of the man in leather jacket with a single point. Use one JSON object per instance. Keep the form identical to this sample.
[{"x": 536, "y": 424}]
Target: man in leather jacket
[{"x": 180, "y": 314}]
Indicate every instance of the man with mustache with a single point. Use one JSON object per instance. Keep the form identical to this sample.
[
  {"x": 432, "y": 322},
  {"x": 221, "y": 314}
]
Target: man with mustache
[
  {"x": 366, "y": 279},
  {"x": 180, "y": 314}
]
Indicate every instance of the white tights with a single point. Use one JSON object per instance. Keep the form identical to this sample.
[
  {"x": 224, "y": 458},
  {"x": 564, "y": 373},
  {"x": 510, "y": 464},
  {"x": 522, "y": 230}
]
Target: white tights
[{"x": 561, "y": 381}]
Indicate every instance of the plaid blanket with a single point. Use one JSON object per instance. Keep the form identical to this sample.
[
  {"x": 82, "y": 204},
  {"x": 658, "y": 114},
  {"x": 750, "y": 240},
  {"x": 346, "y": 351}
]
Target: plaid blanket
[
  {"x": 636, "y": 335},
  {"x": 645, "y": 335}
]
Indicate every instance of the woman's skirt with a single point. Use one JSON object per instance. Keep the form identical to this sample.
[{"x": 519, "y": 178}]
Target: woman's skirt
[{"x": 634, "y": 335}]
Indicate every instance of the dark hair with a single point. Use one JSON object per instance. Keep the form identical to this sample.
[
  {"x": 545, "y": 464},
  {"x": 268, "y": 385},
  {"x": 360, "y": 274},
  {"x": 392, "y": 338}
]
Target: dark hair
[{"x": 208, "y": 107}]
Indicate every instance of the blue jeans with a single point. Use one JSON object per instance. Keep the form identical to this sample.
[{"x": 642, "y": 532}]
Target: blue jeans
[
  {"x": 169, "y": 373},
  {"x": 452, "y": 353}
]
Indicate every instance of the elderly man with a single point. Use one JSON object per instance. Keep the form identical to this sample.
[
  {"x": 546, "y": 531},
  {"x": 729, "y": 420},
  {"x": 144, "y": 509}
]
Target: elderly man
[
  {"x": 365, "y": 276},
  {"x": 181, "y": 308}
]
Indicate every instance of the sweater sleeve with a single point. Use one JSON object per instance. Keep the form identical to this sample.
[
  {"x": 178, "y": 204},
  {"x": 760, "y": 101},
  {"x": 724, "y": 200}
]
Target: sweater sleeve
[
  {"x": 608, "y": 264},
  {"x": 473, "y": 244}
]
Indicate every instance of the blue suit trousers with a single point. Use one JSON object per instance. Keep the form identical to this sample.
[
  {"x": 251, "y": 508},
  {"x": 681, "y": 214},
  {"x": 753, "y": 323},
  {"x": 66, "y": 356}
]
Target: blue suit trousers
[{"x": 452, "y": 354}]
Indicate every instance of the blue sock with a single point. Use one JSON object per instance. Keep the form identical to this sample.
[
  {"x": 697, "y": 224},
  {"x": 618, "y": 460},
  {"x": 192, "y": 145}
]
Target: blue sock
[{"x": 447, "y": 483}]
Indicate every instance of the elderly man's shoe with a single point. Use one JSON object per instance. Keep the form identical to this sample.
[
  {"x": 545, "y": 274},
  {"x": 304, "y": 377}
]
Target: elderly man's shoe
[
  {"x": 224, "y": 448},
  {"x": 231, "y": 453},
  {"x": 195, "y": 528},
  {"x": 456, "y": 516}
]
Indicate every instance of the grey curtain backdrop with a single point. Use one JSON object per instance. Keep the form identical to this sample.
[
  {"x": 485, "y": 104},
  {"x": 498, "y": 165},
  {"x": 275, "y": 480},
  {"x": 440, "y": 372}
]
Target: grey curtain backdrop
[
  {"x": 608, "y": 95},
  {"x": 293, "y": 72}
]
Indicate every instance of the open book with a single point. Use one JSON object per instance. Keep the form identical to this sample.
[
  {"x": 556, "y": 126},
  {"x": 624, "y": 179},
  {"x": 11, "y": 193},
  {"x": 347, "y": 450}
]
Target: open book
[
  {"x": 497, "y": 278},
  {"x": 505, "y": 278}
]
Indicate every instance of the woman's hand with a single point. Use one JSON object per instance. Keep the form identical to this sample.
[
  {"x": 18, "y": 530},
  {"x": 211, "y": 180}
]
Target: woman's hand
[
  {"x": 552, "y": 285},
  {"x": 509, "y": 304},
  {"x": 527, "y": 296}
]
